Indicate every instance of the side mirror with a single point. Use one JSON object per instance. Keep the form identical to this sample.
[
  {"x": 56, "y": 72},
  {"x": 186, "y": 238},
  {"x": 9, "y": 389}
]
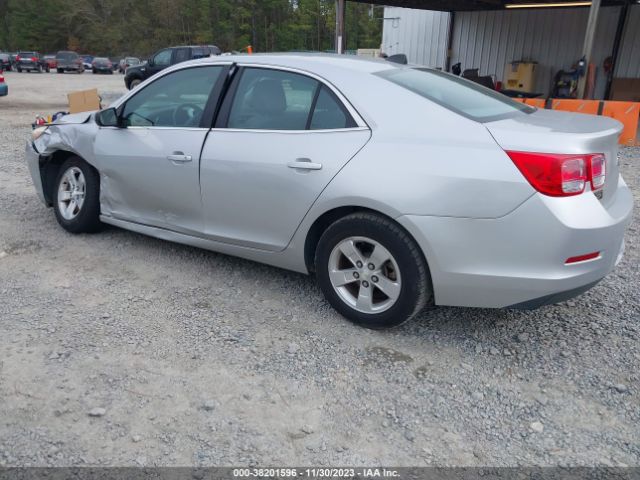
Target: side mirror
[{"x": 108, "y": 118}]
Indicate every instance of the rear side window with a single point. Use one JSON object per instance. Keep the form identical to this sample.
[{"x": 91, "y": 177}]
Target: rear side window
[
  {"x": 459, "y": 95},
  {"x": 278, "y": 100},
  {"x": 272, "y": 100},
  {"x": 181, "y": 55},
  {"x": 329, "y": 113}
]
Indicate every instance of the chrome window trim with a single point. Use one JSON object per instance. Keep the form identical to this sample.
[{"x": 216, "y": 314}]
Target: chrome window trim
[
  {"x": 293, "y": 132},
  {"x": 139, "y": 127},
  {"x": 323, "y": 81}
]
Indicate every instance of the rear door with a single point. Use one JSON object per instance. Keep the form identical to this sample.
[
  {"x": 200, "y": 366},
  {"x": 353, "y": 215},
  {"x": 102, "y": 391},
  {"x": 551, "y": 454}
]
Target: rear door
[
  {"x": 280, "y": 138},
  {"x": 150, "y": 168}
]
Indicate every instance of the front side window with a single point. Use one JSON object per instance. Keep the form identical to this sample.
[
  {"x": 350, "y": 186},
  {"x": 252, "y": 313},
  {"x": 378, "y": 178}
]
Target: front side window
[
  {"x": 175, "y": 100},
  {"x": 162, "y": 59},
  {"x": 456, "y": 94}
]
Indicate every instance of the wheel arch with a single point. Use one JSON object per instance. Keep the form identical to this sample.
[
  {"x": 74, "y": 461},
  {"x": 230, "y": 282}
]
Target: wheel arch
[
  {"x": 50, "y": 168},
  {"x": 323, "y": 221}
]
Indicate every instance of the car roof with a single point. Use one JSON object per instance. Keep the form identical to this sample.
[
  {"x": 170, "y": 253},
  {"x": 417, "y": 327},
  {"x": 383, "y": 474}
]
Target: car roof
[{"x": 313, "y": 62}]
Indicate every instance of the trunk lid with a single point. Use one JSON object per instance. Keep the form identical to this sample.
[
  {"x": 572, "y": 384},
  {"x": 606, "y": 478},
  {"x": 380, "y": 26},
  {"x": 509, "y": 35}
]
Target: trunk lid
[{"x": 548, "y": 131}]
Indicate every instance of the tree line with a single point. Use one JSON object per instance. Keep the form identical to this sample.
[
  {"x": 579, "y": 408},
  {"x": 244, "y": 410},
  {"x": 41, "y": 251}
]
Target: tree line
[{"x": 140, "y": 27}]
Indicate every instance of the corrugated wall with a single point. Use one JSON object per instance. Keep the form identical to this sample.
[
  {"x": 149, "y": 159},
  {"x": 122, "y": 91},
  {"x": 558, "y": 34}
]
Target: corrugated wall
[
  {"x": 629, "y": 57},
  {"x": 552, "y": 37},
  {"x": 420, "y": 34},
  {"x": 489, "y": 40}
]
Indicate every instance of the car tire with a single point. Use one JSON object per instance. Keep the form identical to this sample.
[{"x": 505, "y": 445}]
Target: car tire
[
  {"x": 134, "y": 83},
  {"x": 19, "y": 70},
  {"x": 60, "y": 70},
  {"x": 94, "y": 71},
  {"x": 385, "y": 254},
  {"x": 76, "y": 202}
]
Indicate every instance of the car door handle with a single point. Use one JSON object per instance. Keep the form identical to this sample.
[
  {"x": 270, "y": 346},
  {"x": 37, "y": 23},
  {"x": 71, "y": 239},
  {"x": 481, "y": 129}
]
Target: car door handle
[
  {"x": 179, "y": 157},
  {"x": 304, "y": 164}
]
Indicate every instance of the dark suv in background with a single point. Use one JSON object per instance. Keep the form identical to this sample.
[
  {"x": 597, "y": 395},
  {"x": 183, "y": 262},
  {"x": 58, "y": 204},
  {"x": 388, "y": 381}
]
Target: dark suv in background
[
  {"x": 31, "y": 61},
  {"x": 69, "y": 62},
  {"x": 164, "y": 58}
]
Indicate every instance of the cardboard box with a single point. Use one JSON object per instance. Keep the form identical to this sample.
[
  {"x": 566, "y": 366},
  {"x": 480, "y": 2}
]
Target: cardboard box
[
  {"x": 625, "y": 89},
  {"x": 84, "y": 101}
]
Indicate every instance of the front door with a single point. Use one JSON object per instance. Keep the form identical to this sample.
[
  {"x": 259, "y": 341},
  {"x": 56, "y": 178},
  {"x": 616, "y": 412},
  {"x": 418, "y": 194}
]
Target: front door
[
  {"x": 283, "y": 137},
  {"x": 150, "y": 167}
]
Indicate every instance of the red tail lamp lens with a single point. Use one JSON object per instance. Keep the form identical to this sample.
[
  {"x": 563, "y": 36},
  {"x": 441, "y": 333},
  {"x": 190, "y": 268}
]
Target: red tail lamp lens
[{"x": 582, "y": 258}]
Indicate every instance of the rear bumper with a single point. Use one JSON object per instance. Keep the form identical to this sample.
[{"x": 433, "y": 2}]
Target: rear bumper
[
  {"x": 518, "y": 260},
  {"x": 33, "y": 162}
]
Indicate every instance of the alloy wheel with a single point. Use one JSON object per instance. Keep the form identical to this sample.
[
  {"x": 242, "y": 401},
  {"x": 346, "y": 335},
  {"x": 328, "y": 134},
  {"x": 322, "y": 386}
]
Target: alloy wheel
[
  {"x": 365, "y": 275},
  {"x": 71, "y": 193}
]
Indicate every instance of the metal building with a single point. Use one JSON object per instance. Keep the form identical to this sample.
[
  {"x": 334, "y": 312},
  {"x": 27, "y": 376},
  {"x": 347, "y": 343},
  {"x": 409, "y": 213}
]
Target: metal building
[
  {"x": 488, "y": 40},
  {"x": 489, "y": 34}
]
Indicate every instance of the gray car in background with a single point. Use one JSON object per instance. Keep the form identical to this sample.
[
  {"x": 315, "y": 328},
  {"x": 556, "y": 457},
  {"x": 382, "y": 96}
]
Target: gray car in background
[
  {"x": 399, "y": 187},
  {"x": 69, "y": 62}
]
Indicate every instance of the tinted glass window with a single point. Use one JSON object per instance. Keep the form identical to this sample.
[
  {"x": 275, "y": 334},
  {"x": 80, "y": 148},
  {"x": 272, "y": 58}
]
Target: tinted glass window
[
  {"x": 67, "y": 56},
  {"x": 272, "y": 100},
  {"x": 175, "y": 100},
  {"x": 329, "y": 113},
  {"x": 461, "y": 96},
  {"x": 182, "y": 55},
  {"x": 163, "y": 58},
  {"x": 199, "y": 53}
]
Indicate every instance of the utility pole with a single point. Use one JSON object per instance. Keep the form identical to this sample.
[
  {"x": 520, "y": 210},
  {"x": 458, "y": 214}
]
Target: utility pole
[
  {"x": 589, "y": 36},
  {"x": 340, "y": 10}
]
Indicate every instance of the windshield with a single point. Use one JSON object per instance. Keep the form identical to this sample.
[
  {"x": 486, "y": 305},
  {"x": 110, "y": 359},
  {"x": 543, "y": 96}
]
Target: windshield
[
  {"x": 457, "y": 94},
  {"x": 66, "y": 55}
]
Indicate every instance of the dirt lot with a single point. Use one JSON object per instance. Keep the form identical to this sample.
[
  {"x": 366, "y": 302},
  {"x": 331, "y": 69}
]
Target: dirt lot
[{"x": 118, "y": 349}]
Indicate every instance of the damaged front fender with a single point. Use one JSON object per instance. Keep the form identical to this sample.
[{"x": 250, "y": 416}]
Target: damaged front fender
[{"x": 45, "y": 155}]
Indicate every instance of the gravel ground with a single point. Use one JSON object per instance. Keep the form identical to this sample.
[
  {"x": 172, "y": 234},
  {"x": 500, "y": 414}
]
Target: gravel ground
[{"x": 119, "y": 349}]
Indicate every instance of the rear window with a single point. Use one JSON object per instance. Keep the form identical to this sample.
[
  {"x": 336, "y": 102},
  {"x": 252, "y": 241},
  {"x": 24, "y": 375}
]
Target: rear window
[
  {"x": 456, "y": 94},
  {"x": 67, "y": 55},
  {"x": 27, "y": 54}
]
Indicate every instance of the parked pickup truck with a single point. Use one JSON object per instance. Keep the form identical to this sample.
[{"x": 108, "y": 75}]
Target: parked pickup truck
[{"x": 166, "y": 57}]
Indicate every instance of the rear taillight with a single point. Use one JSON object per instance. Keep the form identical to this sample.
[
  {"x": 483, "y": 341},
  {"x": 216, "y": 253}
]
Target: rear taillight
[
  {"x": 597, "y": 171},
  {"x": 560, "y": 175},
  {"x": 582, "y": 258},
  {"x": 1, "y": 79},
  {"x": 18, "y": 58},
  {"x": 34, "y": 59}
]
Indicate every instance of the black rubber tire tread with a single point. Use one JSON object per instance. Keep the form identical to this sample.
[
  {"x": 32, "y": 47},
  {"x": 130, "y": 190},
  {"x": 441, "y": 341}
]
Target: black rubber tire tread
[
  {"x": 416, "y": 291},
  {"x": 88, "y": 220}
]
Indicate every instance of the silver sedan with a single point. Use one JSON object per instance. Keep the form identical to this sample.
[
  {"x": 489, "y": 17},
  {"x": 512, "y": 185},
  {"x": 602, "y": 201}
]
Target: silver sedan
[{"x": 399, "y": 187}]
